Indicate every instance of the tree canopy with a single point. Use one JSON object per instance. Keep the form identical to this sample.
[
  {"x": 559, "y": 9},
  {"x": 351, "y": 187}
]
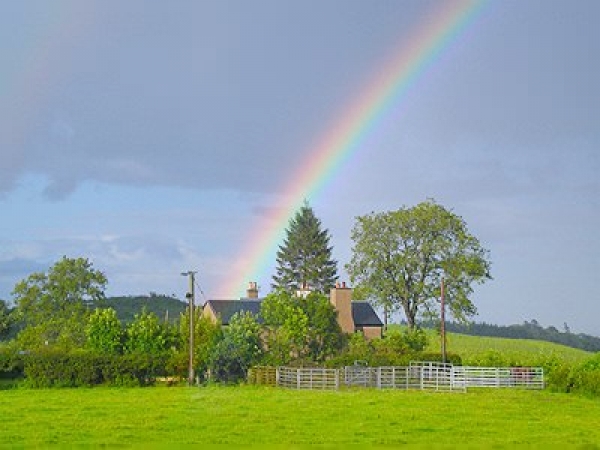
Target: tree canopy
[
  {"x": 399, "y": 258},
  {"x": 304, "y": 260},
  {"x": 300, "y": 327},
  {"x": 54, "y": 305}
]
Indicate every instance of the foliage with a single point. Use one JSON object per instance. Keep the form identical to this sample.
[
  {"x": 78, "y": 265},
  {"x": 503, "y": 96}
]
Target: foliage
[
  {"x": 300, "y": 327},
  {"x": 393, "y": 350},
  {"x": 244, "y": 332},
  {"x": 586, "y": 376},
  {"x": 146, "y": 334},
  {"x": 104, "y": 331},
  {"x": 305, "y": 258},
  {"x": 76, "y": 369},
  {"x": 415, "y": 339},
  {"x": 6, "y": 319},
  {"x": 324, "y": 336},
  {"x": 206, "y": 336},
  {"x": 11, "y": 363},
  {"x": 399, "y": 258},
  {"x": 61, "y": 333},
  {"x": 285, "y": 325},
  {"x": 54, "y": 305},
  {"x": 238, "y": 350},
  {"x": 69, "y": 287}
]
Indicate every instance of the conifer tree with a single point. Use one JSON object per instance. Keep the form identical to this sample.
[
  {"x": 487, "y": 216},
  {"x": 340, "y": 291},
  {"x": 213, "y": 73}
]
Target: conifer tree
[{"x": 304, "y": 260}]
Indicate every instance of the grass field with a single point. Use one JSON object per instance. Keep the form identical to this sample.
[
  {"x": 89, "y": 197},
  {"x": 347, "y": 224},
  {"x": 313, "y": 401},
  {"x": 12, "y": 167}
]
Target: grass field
[
  {"x": 519, "y": 351},
  {"x": 264, "y": 415}
]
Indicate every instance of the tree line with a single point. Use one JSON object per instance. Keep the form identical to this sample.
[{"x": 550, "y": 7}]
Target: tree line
[{"x": 398, "y": 261}]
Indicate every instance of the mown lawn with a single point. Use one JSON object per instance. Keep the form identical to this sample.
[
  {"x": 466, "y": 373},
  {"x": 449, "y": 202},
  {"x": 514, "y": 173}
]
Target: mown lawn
[{"x": 280, "y": 417}]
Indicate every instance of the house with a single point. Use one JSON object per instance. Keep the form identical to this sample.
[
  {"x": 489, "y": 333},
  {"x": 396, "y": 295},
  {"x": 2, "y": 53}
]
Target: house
[{"x": 353, "y": 316}]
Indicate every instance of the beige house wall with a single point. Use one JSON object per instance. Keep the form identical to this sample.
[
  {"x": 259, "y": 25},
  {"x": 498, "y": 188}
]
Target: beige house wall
[
  {"x": 372, "y": 332},
  {"x": 208, "y": 312}
]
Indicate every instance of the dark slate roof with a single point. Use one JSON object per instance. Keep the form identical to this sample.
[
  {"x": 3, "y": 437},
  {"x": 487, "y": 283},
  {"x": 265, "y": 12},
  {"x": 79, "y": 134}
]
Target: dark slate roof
[
  {"x": 225, "y": 309},
  {"x": 364, "y": 315}
]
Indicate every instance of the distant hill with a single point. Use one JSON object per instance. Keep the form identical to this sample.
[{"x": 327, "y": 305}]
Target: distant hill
[
  {"x": 528, "y": 330},
  {"x": 163, "y": 306}
]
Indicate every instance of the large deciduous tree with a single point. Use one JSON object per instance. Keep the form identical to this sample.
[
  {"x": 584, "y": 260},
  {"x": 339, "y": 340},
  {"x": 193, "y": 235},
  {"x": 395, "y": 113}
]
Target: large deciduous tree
[
  {"x": 54, "y": 305},
  {"x": 305, "y": 258},
  {"x": 399, "y": 258}
]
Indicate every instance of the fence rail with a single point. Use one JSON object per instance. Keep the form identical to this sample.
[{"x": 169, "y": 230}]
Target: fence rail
[
  {"x": 501, "y": 377},
  {"x": 430, "y": 376},
  {"x": 307, "y": 378}
]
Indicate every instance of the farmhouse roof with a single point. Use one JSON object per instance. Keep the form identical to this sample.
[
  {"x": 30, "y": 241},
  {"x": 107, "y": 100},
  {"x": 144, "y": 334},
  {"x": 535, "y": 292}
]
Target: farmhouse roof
[
  {"x": 364, "y": 315},
  {"x": 225, "y": 309}
]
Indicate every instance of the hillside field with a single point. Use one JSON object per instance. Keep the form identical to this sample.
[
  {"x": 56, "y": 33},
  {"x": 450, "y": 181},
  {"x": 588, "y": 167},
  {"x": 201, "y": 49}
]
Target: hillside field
[
  {"x": 516, "y": 350},
  {"x": 511, "y": 351},
  {"x": 276, "y": 416}
]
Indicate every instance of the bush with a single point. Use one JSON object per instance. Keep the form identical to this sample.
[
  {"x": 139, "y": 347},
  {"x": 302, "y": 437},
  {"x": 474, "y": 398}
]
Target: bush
[
  {"x": 393, "y": 350},
  {"x": 56, "y": 369},
  {"x": 11, "y": 366},
  {"x": 586, "y": 376}
]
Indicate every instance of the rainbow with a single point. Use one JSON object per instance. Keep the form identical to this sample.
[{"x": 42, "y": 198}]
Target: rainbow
[{"x": 349, "y": 132}]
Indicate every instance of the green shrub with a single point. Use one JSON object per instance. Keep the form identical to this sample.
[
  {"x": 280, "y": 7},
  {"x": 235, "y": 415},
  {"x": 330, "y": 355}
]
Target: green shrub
[
  {"x": 56, "y": 369},
  {"x": 586, "y": 376}
]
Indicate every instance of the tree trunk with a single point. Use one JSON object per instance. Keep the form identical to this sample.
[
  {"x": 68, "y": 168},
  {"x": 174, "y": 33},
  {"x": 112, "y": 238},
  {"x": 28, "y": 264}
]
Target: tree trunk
[{"x": 410, "y": 316}]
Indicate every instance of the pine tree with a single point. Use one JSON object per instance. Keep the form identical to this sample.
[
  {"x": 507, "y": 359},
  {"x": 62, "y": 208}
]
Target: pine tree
[{"x": 304, "y": 261}]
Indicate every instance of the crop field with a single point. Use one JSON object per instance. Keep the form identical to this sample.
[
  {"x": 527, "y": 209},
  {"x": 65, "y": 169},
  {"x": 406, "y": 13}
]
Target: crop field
[{"x": 265, "y": 415}]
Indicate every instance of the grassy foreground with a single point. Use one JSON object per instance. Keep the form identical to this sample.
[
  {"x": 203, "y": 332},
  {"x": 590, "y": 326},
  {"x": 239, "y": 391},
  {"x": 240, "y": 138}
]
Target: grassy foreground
[{"x": 261, "y": 415}]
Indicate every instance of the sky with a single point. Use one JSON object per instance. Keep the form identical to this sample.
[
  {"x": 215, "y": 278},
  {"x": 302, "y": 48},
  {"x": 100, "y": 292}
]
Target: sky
[{"x": 155, "y": 138}]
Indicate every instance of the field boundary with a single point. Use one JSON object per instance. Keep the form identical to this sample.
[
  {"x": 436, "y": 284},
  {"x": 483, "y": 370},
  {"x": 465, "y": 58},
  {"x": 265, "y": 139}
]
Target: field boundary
[{"x": 421, "y": 375}]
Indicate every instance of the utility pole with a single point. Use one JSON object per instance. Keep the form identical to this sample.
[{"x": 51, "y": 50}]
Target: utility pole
[
  {"x": 190, "y": 296},
  {"x": 443, "y": 321}
]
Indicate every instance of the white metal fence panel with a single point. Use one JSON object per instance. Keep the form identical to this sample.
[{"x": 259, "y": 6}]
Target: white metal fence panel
[
  {"x": 360, "y": 376},
  {"x": 307, "y": 378},
  {"x": 432, "y": 376},
  {"x": 436, "y": 376},
  {"x": 498, "y": 377},
  {"x": 421, "y": 375}
]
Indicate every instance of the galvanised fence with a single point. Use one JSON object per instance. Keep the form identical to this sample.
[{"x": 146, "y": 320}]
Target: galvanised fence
[
  {"x": 500, "y": 377},
  {"x": 308, "y": 378},
  {"x": 428, "y": 376}
]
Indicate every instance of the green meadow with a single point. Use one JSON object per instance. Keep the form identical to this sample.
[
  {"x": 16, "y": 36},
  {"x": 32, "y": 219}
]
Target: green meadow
[
  {"x": 267, "y": 415},
  {"x": 259, "y": 415},
  {"x": 512, "y": 351}
]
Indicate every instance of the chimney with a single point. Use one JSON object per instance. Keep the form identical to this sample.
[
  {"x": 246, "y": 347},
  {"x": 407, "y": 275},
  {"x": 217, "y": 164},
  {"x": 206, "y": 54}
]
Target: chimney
[
  {"x": 341, "y": 299},
  {"x": 252, "y": 291}
]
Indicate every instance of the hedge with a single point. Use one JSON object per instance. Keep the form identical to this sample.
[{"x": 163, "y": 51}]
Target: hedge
[{"x": 59, "y": 369}]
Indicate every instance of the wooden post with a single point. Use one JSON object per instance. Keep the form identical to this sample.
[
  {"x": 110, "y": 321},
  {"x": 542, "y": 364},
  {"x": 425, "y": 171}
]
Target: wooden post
[{"x": 443, "y": 322}]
